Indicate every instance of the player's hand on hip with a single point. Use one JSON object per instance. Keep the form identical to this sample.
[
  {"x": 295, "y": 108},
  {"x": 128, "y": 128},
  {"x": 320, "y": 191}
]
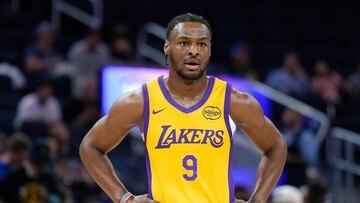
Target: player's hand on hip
[{"x": 142, "y": 199}]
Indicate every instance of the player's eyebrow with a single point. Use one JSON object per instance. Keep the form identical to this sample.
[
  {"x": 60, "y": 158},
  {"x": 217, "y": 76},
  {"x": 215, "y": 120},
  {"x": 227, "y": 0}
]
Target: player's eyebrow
[{"x": 199, "y": 38}]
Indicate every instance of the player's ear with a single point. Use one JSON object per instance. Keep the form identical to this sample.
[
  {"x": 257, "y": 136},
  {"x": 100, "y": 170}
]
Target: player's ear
[{"x": 166, "y": 47}]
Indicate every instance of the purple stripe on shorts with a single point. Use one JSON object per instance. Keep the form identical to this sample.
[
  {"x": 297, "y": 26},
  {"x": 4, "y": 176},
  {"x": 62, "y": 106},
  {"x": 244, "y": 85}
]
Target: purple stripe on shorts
[
  {"x": 146, "y": 125},
  {"x": 178, "y": 106},
  {"x": 227, "y": 122}
]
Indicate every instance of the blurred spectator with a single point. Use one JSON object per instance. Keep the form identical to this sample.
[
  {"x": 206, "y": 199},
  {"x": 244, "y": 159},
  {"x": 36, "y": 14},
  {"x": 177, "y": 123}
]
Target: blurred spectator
[
  {"x": 122, "y": 50},
  {"x": 42, "y": 56},
  {"x": 241, "y": 193},
  {"x": 291, "y": 78},
  {"x": 2, "y": 141},
  {"x": 353, "y": 83},
  {"x": 40, "y": 106},
  {"x": 241, "y": 61},
  {"x": 33, "y": 182},
  {"x": 18, "y": 80},
  {"x": 89, "y": 55},
  {"x": 16, "y": 149},
  {"x": 302, "y": 148},
  {"x": 59, "y": 138},
  {"x": 315, "y": 192},
  {"x": 82, "y": 110},
  {"x": 73, "y": 175},
  {"x": 327, "y": 82},
  {"x": 287, "y": 194}
]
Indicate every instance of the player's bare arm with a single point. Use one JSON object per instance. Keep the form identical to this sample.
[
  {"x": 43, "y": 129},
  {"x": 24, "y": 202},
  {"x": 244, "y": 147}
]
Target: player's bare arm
[
  {"x": 248, "y": 116},
  {"x": 105, "y": 135}
]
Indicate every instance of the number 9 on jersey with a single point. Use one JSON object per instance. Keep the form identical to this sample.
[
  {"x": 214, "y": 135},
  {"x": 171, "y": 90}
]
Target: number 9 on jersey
[{"x": 190, "y": 164}]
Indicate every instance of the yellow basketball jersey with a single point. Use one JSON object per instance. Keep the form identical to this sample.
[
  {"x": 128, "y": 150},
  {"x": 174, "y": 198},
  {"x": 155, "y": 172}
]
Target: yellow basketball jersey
[{"x": 188, "y": 150}]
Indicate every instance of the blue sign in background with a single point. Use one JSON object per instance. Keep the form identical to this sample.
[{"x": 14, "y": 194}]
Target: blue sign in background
[{"x": 117, "y": 80}]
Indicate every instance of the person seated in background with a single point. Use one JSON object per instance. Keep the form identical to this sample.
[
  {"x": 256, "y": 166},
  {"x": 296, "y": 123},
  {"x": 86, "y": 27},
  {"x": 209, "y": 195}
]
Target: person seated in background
[
  {"x": 33, "y": 182},
  {"x": 241, "y": 192},
  {"x": 82, "y": 110},
  {"x": 291, "y": 78},
  {"x": 122, "y": 49},
  {"x": 77, "y": 180},
  {"x": 15, "y": 151},
  {"x": 39, "y": 106},
  {"x": 315, "y": 192},
  {"x": 302, "y": 148},
  {"x": 3, "y": 137},
  {"x": 89, "y": 54},
  {"x": 241, "y": 61},
  {"x": 327, "y": 82},
  {"x": 58, "y": 140},
  {"x": 42, "y": 56}
]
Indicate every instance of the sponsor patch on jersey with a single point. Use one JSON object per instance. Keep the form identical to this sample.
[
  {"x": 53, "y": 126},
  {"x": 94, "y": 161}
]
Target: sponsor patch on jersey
[{"x": 211, "y": 112}]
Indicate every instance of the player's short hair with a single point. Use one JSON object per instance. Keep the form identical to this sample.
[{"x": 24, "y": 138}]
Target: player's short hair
[{"x": 187, "y": 17}]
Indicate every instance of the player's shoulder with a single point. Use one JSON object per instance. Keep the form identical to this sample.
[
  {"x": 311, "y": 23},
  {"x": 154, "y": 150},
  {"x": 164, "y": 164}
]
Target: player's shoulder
[
  {"x": 244, "y": 103},
  {"x": 237, "y": 96},
  {"x": 241, "y": 97},
  {"x": 245, "y": 109},
  {"x": 131, "y": 100}
]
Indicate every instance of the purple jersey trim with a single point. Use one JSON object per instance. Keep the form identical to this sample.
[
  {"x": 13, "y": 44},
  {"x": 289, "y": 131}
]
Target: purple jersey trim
[
  {"x": 146, "y": 110},
  {"x": 178, "y": 106},
  {"x": 148, "y": 169},
  {"x": 227, "y": 122},
  {"x": 146, "y": 125}
]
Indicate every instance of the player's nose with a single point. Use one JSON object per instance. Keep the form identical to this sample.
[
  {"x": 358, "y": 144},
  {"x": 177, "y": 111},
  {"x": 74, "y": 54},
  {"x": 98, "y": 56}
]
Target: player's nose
[{"x": 193, "y": 50}]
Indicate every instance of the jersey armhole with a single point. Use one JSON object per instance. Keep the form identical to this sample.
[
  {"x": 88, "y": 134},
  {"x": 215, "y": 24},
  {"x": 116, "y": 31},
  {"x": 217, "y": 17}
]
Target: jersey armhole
[
  {"x": 230, "y": 125},
  {"x": 146, "y": 111}
]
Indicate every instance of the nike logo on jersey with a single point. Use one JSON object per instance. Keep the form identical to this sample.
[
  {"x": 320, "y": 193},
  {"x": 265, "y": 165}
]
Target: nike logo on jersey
[{"x": 156, "y": 112}]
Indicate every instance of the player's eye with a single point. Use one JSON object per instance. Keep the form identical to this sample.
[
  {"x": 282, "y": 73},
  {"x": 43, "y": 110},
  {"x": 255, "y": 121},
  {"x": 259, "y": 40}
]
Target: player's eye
[
  {"x": 202, "y": 44},
  {"x": 183, "y": 43}
]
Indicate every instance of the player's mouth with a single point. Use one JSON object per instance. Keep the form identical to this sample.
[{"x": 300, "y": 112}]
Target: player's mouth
[{"x": 192, "y": 64}]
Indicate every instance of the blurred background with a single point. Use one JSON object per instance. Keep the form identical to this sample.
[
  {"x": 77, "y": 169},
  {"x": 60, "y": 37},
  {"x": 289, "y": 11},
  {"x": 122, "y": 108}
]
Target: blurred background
[{"x": 300, "y": 59}]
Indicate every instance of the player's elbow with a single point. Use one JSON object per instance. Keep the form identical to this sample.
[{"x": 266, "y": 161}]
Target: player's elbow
[
  {"x": 282, "y": 147},
  {"x": 278, "y": 148},
  {"x": 283, "y": 144},
  {"x": 85, "y": 148}
]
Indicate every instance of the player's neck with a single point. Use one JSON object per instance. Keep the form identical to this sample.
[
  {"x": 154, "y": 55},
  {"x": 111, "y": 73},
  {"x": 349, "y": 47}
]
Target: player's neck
[{"x": 186, "y": 88}]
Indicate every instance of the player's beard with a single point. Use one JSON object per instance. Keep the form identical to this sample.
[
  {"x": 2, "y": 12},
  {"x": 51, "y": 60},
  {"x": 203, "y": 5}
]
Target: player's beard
[{"x": 186, "y": 75}]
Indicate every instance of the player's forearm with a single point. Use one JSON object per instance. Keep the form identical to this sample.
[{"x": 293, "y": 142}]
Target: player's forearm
[
  {"x": 100, "y": 168},
  {"x": 269, "y": 171}
]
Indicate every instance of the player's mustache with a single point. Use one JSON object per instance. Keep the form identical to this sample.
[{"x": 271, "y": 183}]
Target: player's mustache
[{"x": 192, "y": 60}]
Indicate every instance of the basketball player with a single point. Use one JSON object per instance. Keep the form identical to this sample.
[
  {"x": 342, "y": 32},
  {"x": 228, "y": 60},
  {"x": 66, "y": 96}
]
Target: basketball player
[{"x": 187, "y": 119}]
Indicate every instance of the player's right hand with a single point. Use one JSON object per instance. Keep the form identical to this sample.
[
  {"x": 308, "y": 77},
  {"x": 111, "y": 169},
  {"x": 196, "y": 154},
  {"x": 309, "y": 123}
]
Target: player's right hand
[{"x": 142, "y": 199}]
